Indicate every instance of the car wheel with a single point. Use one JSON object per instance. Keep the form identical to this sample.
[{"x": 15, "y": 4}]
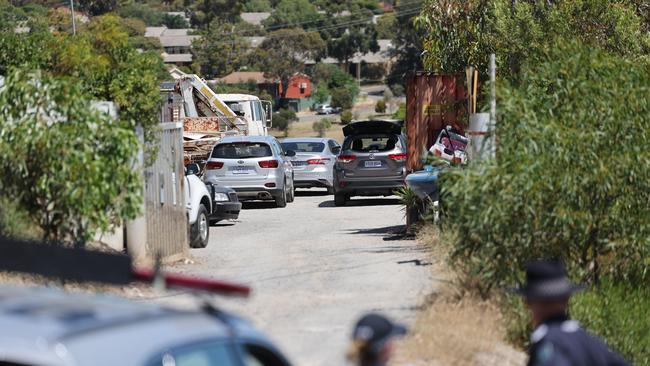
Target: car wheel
[
  {"x": 281, "y": 199},
  {"x": 340, "y": 199},
  {"x": 292, "y": 193},
  {"x": 200, "y": 233}
]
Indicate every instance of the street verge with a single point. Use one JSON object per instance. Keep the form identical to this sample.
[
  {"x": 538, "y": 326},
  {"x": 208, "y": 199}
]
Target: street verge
[{"x": 455, "y": 327}]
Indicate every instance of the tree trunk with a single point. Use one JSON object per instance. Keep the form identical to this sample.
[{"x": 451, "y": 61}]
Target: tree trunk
[{"x": 284, "y": 83}]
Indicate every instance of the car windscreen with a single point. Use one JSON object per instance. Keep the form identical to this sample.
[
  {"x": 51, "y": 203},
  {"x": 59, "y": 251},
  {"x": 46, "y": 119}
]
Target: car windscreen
[
  {"x": 241, "y": 150},
  {"x": 304, "y": 147},
  {"x": 371, "y": 143}
]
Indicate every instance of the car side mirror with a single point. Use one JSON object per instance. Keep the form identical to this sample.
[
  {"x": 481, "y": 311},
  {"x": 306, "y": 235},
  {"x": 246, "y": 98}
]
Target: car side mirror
[
  {"x": 192, "y": 169},
  {"x": 336, "y": 150},
  {"x": 290, "y": 153}
]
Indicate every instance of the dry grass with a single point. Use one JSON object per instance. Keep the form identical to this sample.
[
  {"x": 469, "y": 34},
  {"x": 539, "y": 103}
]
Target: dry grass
[
  {"x": 455, "y": 328},
  {"x": 134, "y": 290}
]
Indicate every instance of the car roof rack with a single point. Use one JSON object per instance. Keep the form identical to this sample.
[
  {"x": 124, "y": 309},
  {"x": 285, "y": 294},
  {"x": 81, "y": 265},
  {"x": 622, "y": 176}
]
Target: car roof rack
[{"x": 55, "y": 261}]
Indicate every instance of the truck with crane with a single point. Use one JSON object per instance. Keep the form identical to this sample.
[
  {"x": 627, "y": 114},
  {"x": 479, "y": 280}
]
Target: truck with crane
[{"x": 207, "y": 116}]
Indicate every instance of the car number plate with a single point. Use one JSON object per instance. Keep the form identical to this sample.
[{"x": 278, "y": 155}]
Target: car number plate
[
  {"x": 298, "y": 163},
  {"x": 373, "y": 164},
  {"x": 240, "y": 169}
]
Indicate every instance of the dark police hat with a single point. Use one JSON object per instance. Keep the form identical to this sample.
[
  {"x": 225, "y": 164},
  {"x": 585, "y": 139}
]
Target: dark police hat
[
  {"x": 547, "y": 280},
  {"x": 376, "y": 329}
]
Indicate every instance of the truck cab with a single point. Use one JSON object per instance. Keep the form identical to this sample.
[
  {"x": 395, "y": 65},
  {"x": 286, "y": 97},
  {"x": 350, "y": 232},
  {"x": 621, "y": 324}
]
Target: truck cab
[{"x": 255, "y": 111}]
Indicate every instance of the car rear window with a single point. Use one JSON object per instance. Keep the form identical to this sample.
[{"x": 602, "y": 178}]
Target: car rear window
[
  {"x": 375, "y": 143},
  {"x": 241, "y": 150},
  {"x": 308, "y": 147}
]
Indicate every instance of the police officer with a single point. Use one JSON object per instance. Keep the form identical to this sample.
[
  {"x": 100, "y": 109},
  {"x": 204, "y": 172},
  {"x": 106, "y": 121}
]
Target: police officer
[
  {"x": 372, "y": 340},
  {"x": 558, "y": 340}
]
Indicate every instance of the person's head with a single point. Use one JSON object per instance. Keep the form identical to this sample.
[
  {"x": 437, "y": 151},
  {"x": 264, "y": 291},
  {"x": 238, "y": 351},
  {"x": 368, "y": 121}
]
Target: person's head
[
  {"x": 372, "y": 340},
  {"x": 542, "y": 310},
  {"x": 547, "y": 290}
]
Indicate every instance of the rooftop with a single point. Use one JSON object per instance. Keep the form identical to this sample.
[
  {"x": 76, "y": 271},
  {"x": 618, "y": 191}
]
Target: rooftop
[
  {"x": 177, "y": 41},
  {"x": 255, "y": 18},
  {"x": 171, "y": 37}
]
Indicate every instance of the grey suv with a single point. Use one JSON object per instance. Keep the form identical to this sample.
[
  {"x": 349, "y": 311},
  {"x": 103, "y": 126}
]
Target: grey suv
[{"x": 371, "y": 162}]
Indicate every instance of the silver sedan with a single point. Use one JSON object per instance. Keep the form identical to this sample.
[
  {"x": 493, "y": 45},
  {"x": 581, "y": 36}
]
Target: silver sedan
[{"x": 313, "y": 164}]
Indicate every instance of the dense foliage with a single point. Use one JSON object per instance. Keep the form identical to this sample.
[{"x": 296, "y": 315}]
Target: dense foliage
[
  {"x": 283, "y": 53},
  {"x": 572, "y": 177},
  {"x": 283, "y": 119},
  {"x": 219, "y": 51},
  {"x": 69, "y": 166},
  {"x": 346, "y": 117},
  {"x": 152, "y": 17},
  {"x": 101, "y": 57},
  {"x": 460, "y": 33},
  {"x": 331, "y": 81},
  {"x": 407, "y": 45},
  {"x": 321, "y": 127}
]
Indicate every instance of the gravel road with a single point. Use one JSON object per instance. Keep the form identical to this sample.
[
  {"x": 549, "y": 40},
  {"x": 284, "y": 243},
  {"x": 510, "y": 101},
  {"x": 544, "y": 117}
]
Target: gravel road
[{"x": 314, "y": 268}]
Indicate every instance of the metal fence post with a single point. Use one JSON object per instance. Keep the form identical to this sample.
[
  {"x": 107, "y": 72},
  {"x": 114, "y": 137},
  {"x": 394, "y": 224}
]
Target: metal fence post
[{"x": 136, "y": 229}]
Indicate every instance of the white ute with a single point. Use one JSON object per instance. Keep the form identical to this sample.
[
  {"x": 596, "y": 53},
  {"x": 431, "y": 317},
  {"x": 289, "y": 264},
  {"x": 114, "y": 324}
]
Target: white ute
[{"x": 199, "y": 206}]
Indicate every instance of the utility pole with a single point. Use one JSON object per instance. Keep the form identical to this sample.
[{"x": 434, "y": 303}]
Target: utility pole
[
  {"x": 74, "y": 26},
  {"x": 493, "y": 106}
]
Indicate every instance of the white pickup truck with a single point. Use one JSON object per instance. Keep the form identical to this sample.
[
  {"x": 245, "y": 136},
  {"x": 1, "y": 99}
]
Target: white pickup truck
[{"x": 206, "y": 204}]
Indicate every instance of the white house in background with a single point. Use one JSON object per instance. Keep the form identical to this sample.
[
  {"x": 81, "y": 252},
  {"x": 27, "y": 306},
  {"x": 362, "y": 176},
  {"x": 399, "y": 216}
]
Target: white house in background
[
  {"x": 176, "y": 42},
  {"x": 255, "y": 18}
]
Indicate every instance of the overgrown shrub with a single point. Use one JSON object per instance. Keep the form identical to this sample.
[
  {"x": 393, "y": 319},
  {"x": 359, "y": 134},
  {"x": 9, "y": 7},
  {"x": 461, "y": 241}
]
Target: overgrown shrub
[
  {"x": 15, "y": 222},
  {"x": 67, "y": 165},
  {"x": 322, "y": 126},
  {"x": 341, "y": 98},
  {"x": 346, "y": 117},
  {"x": 283, "y": 118},
  {"x": 571, "y": 179},
  {"x": 380, "y": 107}
]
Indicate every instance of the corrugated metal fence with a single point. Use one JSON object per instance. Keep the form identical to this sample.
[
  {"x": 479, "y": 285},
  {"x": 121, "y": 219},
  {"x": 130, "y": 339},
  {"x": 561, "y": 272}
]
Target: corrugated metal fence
[{"x": 164, "y": 198}]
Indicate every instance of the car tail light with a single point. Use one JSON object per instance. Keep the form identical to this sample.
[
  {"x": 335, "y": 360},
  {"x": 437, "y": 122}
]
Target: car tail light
[
  {"x": 437, "y": 152},
  {"x": 319, "y": 161},
  {"x": 398, "y": 157},
  {"x": 346, "y": 158},
  {"x": 456, "y": 160},
  {"x": 268, "y": 164},
  {"x": 213, "y": 165}
]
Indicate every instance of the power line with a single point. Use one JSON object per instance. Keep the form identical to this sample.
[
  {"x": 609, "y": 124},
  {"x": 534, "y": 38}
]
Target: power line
[
  {"x": 340, "y": 25},
  {"x": 346, "y": 24},
  {"x": 290, "y": 25}
]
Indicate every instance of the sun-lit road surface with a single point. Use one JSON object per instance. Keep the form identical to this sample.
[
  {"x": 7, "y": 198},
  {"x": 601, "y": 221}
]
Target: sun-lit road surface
[{"x": 314, "y": 268}]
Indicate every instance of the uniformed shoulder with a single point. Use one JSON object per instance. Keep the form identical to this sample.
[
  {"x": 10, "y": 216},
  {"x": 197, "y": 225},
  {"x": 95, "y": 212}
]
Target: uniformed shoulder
[
  {"x": 556, "y": 331},
  {"x": 539, "y": 333}
]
